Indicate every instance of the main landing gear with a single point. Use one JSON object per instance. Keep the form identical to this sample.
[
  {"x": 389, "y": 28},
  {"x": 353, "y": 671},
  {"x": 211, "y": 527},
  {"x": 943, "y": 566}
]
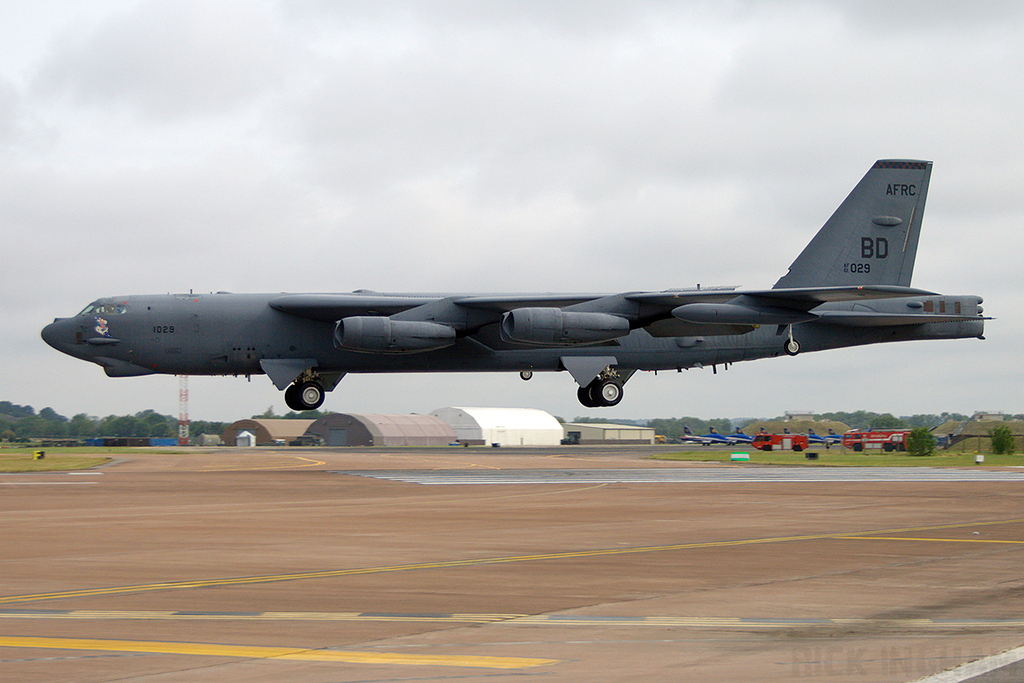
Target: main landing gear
[
  {"x": 603, "y": 392},
  {"x": 304, "y": 395}
]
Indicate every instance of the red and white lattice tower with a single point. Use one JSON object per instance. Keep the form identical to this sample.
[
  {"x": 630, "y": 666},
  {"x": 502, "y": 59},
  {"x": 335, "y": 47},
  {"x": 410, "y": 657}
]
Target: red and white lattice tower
[{"x": 183, "y": 410}]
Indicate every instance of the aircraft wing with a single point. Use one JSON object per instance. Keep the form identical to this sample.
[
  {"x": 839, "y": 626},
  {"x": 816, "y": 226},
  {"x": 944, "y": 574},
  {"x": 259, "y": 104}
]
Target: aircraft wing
[
  {"x": 706, "y": 309},
  {"x": 668, "y": 313},
  {"x": 505, "y": 303},
  {"x": 691, "y": 312},
  {"x": 332, "y": 307}
]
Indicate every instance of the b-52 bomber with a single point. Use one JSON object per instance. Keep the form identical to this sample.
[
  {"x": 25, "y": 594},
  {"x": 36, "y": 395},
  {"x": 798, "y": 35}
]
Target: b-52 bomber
[{"x": 849, "y": 286}]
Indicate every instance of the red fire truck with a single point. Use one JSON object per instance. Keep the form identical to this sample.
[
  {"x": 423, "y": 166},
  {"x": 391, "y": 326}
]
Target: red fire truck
[
  {"x": 887, "y": 440},
  {"x": 780, "y": 442}
]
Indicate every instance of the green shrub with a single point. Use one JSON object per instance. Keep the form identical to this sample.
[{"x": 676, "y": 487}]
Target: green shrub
[
  {"x": 920, "y": 442},
  {"x": 1003, "y": 441}
]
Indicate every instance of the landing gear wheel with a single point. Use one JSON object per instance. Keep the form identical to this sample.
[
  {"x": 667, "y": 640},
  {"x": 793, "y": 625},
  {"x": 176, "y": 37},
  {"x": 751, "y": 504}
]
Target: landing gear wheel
[
  {"x": 791, "y": 347},
  {"x": 606, "y": 392},
  {"x": 311, "y": 395},
  {"x": 601, "y": 393},
  {"x": 291, "y": 397},
  {"x": 305, "y": 396},
  {"x": 583, "y": 394}
]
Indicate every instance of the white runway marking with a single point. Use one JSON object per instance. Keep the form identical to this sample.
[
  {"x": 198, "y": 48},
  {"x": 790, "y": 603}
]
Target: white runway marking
[
  {"x": 47, "y": 483},
  {"x": 978, "y": 668},
  {"x": 691, "y": 475}
]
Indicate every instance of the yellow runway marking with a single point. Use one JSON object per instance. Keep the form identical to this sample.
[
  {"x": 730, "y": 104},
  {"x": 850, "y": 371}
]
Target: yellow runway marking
[
  {"x": 274, "y": 578},
  {"x": 310, "y": 461},
  {"x": 260, "y": 652},
  {"x": 482, "y": 561},
  {"x": 934, "y": 540},
  {"x": 173, "y": 615},
  {"x": 935, "y": 527}
]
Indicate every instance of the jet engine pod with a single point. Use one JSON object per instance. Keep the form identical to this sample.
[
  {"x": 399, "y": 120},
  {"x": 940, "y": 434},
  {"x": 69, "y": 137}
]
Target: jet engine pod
[
  {"x": 555, "y": 327},
  {"x": 380, "y": 334}
]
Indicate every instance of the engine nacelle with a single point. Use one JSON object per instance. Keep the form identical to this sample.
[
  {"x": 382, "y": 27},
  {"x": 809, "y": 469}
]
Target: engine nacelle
[
  {"x": 555, "y": 327},
  {"x": 380, "y": 334}
]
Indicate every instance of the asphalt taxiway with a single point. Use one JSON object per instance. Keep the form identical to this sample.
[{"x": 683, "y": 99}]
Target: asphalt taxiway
[{"x": 563, "y": 564}]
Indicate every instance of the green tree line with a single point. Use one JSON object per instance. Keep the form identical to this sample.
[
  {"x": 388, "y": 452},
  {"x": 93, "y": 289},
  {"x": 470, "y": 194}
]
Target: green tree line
[
  {"x": 863, "y": 418},
  {"x": 18, "y": 423}
]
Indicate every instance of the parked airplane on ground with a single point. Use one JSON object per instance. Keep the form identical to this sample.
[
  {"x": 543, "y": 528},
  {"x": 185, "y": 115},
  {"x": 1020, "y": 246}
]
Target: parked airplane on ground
[
  {"x": 713, "y": 437},
  {"x": 739, "y": 437},
  {"x": 827, "y": 440},
  {"x": 850, "y": 286}
]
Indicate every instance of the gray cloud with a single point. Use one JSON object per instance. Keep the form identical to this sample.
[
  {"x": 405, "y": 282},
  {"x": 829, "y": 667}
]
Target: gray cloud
[{"x": 168, "y": 60}]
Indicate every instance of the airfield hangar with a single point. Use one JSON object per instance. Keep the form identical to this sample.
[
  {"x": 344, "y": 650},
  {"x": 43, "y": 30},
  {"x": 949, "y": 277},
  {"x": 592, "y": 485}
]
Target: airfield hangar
[
  {"x": 469, "y": 426},
  {"x": 340, "y": 429},
  {"x": 267, "y": 432},
  {"x": 591, "y": 433},
  {"x": 502, "y": 426}
]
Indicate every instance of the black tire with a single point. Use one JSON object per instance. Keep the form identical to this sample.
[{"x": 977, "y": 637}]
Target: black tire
[
  {"x": 858, "y": 447},
  {"x": 606, "y": 393},
  {"x": 798, "y": 448},
  {"x": 291, "y": 398},
  {"x": 600, "y": 393},
  {"x": 791, "y": 347},
  {"x": 305, "y": 396}
]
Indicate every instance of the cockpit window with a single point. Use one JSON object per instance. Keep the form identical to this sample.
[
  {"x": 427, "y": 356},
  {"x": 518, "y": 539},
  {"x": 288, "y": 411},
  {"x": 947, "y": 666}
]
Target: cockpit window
[{"x": 104, "y": 309}]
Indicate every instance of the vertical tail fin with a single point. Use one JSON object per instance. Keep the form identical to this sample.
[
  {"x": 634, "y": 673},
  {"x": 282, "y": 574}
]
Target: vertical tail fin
[{"x": 871, "y": 239}]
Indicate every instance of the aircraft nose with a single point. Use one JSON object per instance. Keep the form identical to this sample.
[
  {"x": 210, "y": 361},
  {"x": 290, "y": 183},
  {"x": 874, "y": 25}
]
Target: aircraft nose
[{"x": 53, "y": 334}]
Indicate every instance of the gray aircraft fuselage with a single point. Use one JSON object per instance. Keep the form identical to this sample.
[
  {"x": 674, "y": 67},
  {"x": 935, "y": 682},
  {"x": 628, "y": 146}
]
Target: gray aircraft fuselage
[{"x": 229, "y": 334}]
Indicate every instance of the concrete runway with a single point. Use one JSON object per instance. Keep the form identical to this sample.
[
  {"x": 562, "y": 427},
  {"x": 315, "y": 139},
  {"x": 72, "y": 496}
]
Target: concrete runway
[{"x": 338, "y": 565}]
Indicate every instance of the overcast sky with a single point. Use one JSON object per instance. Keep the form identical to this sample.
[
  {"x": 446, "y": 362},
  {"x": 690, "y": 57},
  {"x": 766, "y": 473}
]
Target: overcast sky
[{"x": 153, "y": 147}]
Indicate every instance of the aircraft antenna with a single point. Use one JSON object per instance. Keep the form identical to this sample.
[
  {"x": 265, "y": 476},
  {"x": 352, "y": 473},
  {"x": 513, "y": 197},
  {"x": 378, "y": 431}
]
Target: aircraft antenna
[{"x": 183, "y": 410}]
